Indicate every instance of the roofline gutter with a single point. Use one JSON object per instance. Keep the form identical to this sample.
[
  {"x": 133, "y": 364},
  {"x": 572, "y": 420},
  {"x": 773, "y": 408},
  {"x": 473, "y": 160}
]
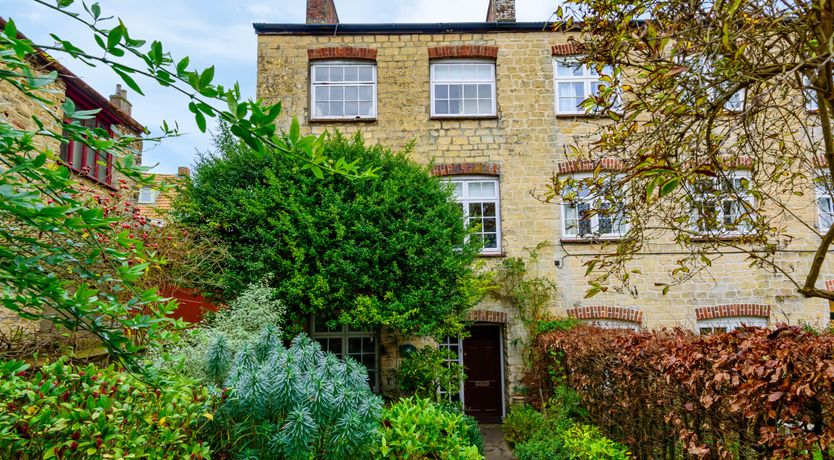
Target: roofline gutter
[{"x": 408, "y": 28}]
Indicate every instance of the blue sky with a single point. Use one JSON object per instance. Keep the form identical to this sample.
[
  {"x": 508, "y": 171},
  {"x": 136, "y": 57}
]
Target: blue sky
[{"x": 220, "y": 33}]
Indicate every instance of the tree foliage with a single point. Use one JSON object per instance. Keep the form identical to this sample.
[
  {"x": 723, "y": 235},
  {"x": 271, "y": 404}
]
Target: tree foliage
[
  {"x": 695, "y": 92},
  {"x": 388, "y": 251},
  {"x": 62, "y": 258}
]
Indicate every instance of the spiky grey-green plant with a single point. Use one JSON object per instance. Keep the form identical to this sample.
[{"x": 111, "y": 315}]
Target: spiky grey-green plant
[{"x": 296, "y": 403}]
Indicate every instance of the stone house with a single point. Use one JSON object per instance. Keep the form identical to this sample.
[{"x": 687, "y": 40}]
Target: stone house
[
  {"x": 94, "y": 169},
  {"x": 492, "y": 105},
  {"x": 156, "y": 200}
]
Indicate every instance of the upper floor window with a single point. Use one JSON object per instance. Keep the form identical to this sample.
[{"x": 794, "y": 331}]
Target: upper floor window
[
  {"x": 478, "y": 198},
  {"x": 825, "y": 205},
  {"x": 343, "y": 90},
  {"x": 83, "y": 160},
  {"x": 720, "y": 205},
  {"x": 590, "y": 215},
  {"x": 147, "y": 195},
  {"x": 573, "y": 83},
  {"x": 462, "y": 88},
  {"x": 703, "y": 79}
]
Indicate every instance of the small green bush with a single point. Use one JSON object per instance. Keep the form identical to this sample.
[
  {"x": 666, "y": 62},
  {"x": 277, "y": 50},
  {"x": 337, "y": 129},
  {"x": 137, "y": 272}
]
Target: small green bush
[
  {"x": 558, "y": 433},
  {"x": 429, "y": 373},
  {"x": 418, "y": 428},
  {"x": 66, "y": 411},
  {"x": 560, "y": 324},
  {"x": 294, "y": 403},
  {"x": 471, "y": 432}
]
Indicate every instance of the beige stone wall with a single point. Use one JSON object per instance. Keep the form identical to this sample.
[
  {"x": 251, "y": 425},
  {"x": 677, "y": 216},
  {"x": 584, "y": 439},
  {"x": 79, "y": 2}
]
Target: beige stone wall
[{"x": 528, "y": 141}]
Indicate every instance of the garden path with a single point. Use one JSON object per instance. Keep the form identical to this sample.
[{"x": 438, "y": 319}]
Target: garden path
[{"x": 495, "y": 448}]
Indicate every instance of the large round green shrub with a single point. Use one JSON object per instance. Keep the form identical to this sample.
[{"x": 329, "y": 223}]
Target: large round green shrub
[{"x": 384, "y": 251}]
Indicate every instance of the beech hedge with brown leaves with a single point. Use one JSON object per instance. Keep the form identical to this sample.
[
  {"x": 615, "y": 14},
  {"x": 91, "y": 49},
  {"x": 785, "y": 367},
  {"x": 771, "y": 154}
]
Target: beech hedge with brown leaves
[{"x": 749, "y": 393}]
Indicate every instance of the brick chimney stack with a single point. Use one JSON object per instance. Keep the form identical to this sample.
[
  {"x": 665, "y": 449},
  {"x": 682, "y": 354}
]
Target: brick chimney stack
[
  {"x": 501, "y": 11},
  {"x": 183, "y": 171},
  {"x": 119, "y": 100},
  {"x": 321, "y": 12}
]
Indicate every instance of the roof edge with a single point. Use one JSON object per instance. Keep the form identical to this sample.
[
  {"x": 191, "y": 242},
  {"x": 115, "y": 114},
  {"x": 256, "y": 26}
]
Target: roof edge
[
  {"x": 404, "y": 28},
  {"x": 71, "y": 79}
]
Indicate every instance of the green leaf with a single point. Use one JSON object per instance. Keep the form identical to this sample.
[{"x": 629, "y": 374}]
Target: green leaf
[
  {"x": 129, "y": 81},
  {"x": 96, "y": 10},
  {"x": 206, "y": 77},
  {"x": 182, "y": 66},
  {"x": 10, "y": 29},
  {"x": 295, "y": 130},
  {"x": 115, "y": 36},
  {"x": 201, "y": 121},
  {"x": 669, "y": 186}
]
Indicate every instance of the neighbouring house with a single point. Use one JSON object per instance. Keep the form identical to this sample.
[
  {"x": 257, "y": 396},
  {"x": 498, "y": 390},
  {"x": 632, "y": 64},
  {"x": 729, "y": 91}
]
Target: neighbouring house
[
  {"x": 94, "y": 169},
  {"x": 154, "y": 201},
  {"x": 494, "y": 106}
]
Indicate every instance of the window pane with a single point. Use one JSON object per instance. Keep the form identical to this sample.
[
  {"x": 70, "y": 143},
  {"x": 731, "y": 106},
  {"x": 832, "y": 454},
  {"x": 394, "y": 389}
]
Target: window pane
[
  {"x": 490, "y": 225},
  {"x": 441, "y": 107},
  {"x": 475, "y": 210},
  {"x": 351, "y": 93},
  {"x": 455, "y": 91},
  {"x": 77, "y": 150},
  {"x": 584, "y": 218},
  {"x": 337, "y": 93},
  {"x": 351, "y": 109},
  {"x": 322, "y": 93},
  {"x": 568, "y": 69},
  {"x": 441, "y": 91},
  {"x": 470, "y": 72},
  {"x": 826, "y": 212},
  {"x": 470, "y": 91},
  {"x": 470, "y": 106},
  {"x": 322, "y": 109},
  {"x": 321, "y": 73},
  {"x": 351, "y": 73},
  {"x": 441, "y": 72},
  {"x": 490, "y": 241},
  {"x": 366, "y": 73},
  {"x": 365, "y": 109},
  {"x": 102, "y": 167},
  {"x": 458, "y": 189},
  {"x": 485, "y": 72},
  {"x": 485, "y": 91},
  {"x": 489, "y": 209},
  {"x": 484, "y": 106},
  {"x": 336, "y": 109},
  {"x": 366, "y": 93},
  {"x": 337, "y": 74},
  {"x": 454, "y": 106},
  {"x": 482, "y": 190}
]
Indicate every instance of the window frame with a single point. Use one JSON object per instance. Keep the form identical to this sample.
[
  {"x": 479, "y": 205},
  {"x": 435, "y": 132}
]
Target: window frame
[
  {"x": 465, "y": 201},
  {"x": 446, "y": 344},
  {"x": 432, "y": 82},
  {"x": 729, "y": 324},
  {"x": 153, "y": 193},
  {"x": 701, "y": 66},
  {"x": 809, "y": 95},
  {"x": 721, "y": 232},
  {"x": 344, "y": 333},
  {"x": 587, "y": 79},
  {"x": 345, "y": 63},
  {"x": 594, "y": 219},
  {"x": 822, "y": 192},
  {"x": 67, "y": 154}
]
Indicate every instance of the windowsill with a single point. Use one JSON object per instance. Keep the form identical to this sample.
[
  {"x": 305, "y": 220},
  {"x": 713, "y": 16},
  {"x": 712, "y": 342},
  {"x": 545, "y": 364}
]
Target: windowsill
[
  {"x": 601, "y": 239},
  {"x": 492, "y": 255},
  {"x": 463, "y": 117},
  {"x": 91, "y": 179},
  {"x": 710, "y": 238},
  {"x": 342, "y": 120}
]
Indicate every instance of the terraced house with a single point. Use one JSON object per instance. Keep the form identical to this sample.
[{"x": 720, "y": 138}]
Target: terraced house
[{"x": 494, "y": 106}]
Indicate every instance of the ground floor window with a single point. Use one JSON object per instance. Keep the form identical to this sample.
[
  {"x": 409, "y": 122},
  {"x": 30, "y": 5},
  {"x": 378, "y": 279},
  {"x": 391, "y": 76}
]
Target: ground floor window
[
  {"x": 362, "y": 346},
  {"x": 720, "y": 325},
  {"x": 455, "y": 346}
]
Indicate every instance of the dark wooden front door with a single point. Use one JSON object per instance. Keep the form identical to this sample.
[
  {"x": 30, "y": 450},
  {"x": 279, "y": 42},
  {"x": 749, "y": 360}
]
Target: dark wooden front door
[{"x": 482, "y": 360}]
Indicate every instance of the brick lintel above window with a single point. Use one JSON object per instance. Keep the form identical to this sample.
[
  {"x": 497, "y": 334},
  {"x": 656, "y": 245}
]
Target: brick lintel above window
[
  {"x": 588, "y": 166},
  {"x": 566, "y": 49},
  {"x": 466, "y": 169},
  {"x": 464, "y": 51},
  {"x": 341, "y": 52},
  {"x": 631, "y": 315},
  {"x": 733, "y": 310}
]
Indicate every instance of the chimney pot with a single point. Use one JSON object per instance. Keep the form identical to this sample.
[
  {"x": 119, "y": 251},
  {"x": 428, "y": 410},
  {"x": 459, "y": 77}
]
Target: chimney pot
[
  {"x": 322, "y": 12},
  {"x": 501, "y": 11},
  {"x": 119, "y": 100}
]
